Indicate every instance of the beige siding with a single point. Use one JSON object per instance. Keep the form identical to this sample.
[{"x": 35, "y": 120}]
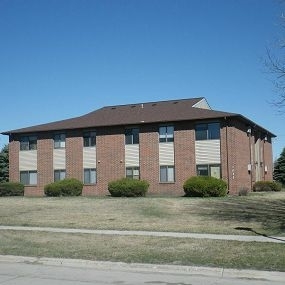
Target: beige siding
[
  {"x": 59, "y": 160},
  {"x": 89, "y": 157},
  {"x": 28, "y": 160},
  {"x": 208, "y": 152},
  {"x": 132, "y": 155},
  {"x": 166, "y": 153}
]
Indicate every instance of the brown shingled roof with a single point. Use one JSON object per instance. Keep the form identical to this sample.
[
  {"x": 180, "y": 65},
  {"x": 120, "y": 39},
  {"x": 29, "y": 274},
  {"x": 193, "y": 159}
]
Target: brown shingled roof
[{"x": 132, "y": 114}]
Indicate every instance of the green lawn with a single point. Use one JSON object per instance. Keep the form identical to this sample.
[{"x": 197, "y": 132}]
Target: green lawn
[{"x": 262, "y": 213}]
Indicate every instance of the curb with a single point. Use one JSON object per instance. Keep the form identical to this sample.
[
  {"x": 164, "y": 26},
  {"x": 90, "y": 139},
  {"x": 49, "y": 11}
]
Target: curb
[{"x": 217, "y": 272}]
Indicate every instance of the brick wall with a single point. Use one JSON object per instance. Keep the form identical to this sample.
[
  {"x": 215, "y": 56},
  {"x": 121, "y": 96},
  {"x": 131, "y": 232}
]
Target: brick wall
[
  {"x": 110, "y": 147},
  {"x": 14, "y": 148},
  {"x": 184, "y": 147},
  {"x": 74, "y": 155}
]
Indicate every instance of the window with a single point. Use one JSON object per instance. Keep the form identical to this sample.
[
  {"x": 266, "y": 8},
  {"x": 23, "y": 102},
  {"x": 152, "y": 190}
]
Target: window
[
  {"x": 59, "y": 174},
  {"x": 167, "y": 173},
  {"x": 59, "y": 140},
  {"x": 89, "y": 139},
  {"x": 209, "y": 131},
  {"x": 90, "y": 176},
  {"x": 28, "y": 143},
  {"x": 28, "y": 177},
  {"x": 132, "y": 136},
  {"x": 133, "y": 172},
  {"x": 166, "y": 134},
  {"x": 213, "y": 170}
]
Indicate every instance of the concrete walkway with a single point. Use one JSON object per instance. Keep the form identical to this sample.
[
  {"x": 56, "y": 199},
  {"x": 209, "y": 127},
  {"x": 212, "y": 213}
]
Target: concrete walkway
[
  {"x": 33, "y": 270},
  {"x": 244, "y": 238}
]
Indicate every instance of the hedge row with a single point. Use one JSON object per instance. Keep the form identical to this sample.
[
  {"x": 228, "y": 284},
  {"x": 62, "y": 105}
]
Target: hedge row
[
  {"x": 126, "y": 187},
  {"x": 11, "y": 189},
  {"x": 65, "y": 187},
  {"x": 265, "y": 186}
]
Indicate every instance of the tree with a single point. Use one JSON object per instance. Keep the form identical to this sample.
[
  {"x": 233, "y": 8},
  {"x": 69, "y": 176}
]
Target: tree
[
  {"x": 279, "y": 168},
  {"x": 4, "y": 164}
]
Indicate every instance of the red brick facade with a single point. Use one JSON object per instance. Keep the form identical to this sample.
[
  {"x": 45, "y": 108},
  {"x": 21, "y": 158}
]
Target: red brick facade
[{"x": 239, "y": 149}]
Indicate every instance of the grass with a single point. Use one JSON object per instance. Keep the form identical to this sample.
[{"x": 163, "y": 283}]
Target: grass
[
  {"x": 227, "y": 254},
  {"x": 263, "y": 213}
]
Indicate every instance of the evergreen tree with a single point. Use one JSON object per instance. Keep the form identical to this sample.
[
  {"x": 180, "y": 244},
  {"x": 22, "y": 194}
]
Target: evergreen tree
[
  {"x": 4, "y": 164},
  {"x": 279, "y": 168}
]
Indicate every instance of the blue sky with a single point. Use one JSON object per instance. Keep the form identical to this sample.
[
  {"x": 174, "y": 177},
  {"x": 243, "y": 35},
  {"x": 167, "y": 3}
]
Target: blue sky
[{"x": 64, "y": 58}]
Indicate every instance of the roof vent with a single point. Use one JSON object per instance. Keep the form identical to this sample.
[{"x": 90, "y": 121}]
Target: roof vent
[
  {"x": 154, "y": 104},
  {"x": 142, "y": 106},
  {"x": 133, "y": 106},
  {"x": 175, "y": 102},
  {"x": 113, "y": 108}
]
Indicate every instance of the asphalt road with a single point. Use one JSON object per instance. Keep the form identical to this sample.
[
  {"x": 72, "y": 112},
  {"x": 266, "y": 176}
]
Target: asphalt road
[{"x": 31, "y": 272}]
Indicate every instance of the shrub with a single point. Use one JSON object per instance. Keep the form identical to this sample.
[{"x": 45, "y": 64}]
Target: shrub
[
  {"x": 66, "y": 187},
  {"x": 205, "y": 186},
  {"x": 126, "y": 187},
  {"x": 11, "y": 189},
  {"x": 263, "y": 186}
]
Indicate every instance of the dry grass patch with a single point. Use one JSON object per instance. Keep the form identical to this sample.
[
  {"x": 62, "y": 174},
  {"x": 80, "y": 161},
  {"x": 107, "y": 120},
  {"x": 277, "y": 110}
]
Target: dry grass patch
[
  {"x": 130, "y": 249},
  {"x": 264, "y": 213}
]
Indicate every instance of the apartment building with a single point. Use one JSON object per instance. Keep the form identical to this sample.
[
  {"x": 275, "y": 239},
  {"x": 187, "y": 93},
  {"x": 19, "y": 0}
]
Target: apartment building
[{"x": 162, "y": 142}]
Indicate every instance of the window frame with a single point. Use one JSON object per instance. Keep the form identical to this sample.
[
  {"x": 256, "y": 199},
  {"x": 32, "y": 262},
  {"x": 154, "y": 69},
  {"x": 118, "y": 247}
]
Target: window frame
[
  {"x": 60, "y": 172},
  {"x": 60, "y": 141},
  {"x": 166, "y": 136},
  {"x": 89, "y": 180},
  {"x": 167, "y": 174},
  {"x": 27, "y": 181},
  {"x": 29, "y": 142},
  {"x": 132, "y": 135},
  {"x": 89, "y": 138},
  {"x": 204, "y": 131},
  {"x": 132, "y": 169},
  {"x": 209, "y": 169}
]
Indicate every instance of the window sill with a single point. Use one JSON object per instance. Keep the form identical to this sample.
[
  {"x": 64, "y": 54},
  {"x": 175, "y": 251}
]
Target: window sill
[{"x": 170, "y": 182}]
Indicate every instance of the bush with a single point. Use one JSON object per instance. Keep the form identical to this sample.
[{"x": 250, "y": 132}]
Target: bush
[
  {"x": 205, "y": 186},
  {"x": 66, "y": 187},
  {"x": 11, "y": 189},
  {"x": 263, "y": 186},
  {"x": 126, "y": 187}
]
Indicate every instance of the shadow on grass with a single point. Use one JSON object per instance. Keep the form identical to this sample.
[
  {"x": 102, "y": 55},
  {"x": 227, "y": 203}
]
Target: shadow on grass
[{"x": 270, "y": 214}]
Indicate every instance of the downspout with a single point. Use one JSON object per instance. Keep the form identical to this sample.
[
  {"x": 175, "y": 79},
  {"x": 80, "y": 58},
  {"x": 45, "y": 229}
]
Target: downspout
[
  {"x": 227, "y": 151},
  {"x": 250, "y": 158}
]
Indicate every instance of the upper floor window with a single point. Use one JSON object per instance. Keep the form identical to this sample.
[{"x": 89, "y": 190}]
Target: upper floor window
[
  {"x": 166, "y": 134},
  {"x": 89, "y": 139},
  {"x": 28, "y": 143},
  {"x": 132, "y": 136},
  {"x": 28, "y": 177},
  {"x": 209, "y": 131},
  {"x": 59, "y": 140}
]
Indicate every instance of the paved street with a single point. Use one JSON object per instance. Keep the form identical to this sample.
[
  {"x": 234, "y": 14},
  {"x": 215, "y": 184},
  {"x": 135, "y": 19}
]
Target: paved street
[{"x": 30, "y": 271}]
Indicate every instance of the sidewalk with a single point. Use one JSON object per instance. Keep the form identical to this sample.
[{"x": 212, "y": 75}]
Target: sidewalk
[
  {"x": 243, "y": 238},
  {"x": 213, "y": 272}
]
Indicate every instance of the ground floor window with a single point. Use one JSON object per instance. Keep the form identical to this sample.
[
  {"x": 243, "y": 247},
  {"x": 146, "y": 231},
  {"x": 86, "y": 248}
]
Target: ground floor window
[
  {"x": 90, "y": 176},
  {"x": 133, "y": 172},
  {"x": 59, "y": 174},
  {"x": 29, "y": 177},
  {"x": 167, "y": 173},
  {"x": 213, "y": 170}
]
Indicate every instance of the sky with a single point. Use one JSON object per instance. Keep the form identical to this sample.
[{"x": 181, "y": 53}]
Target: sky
[{"x": 64, "y": 58}]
